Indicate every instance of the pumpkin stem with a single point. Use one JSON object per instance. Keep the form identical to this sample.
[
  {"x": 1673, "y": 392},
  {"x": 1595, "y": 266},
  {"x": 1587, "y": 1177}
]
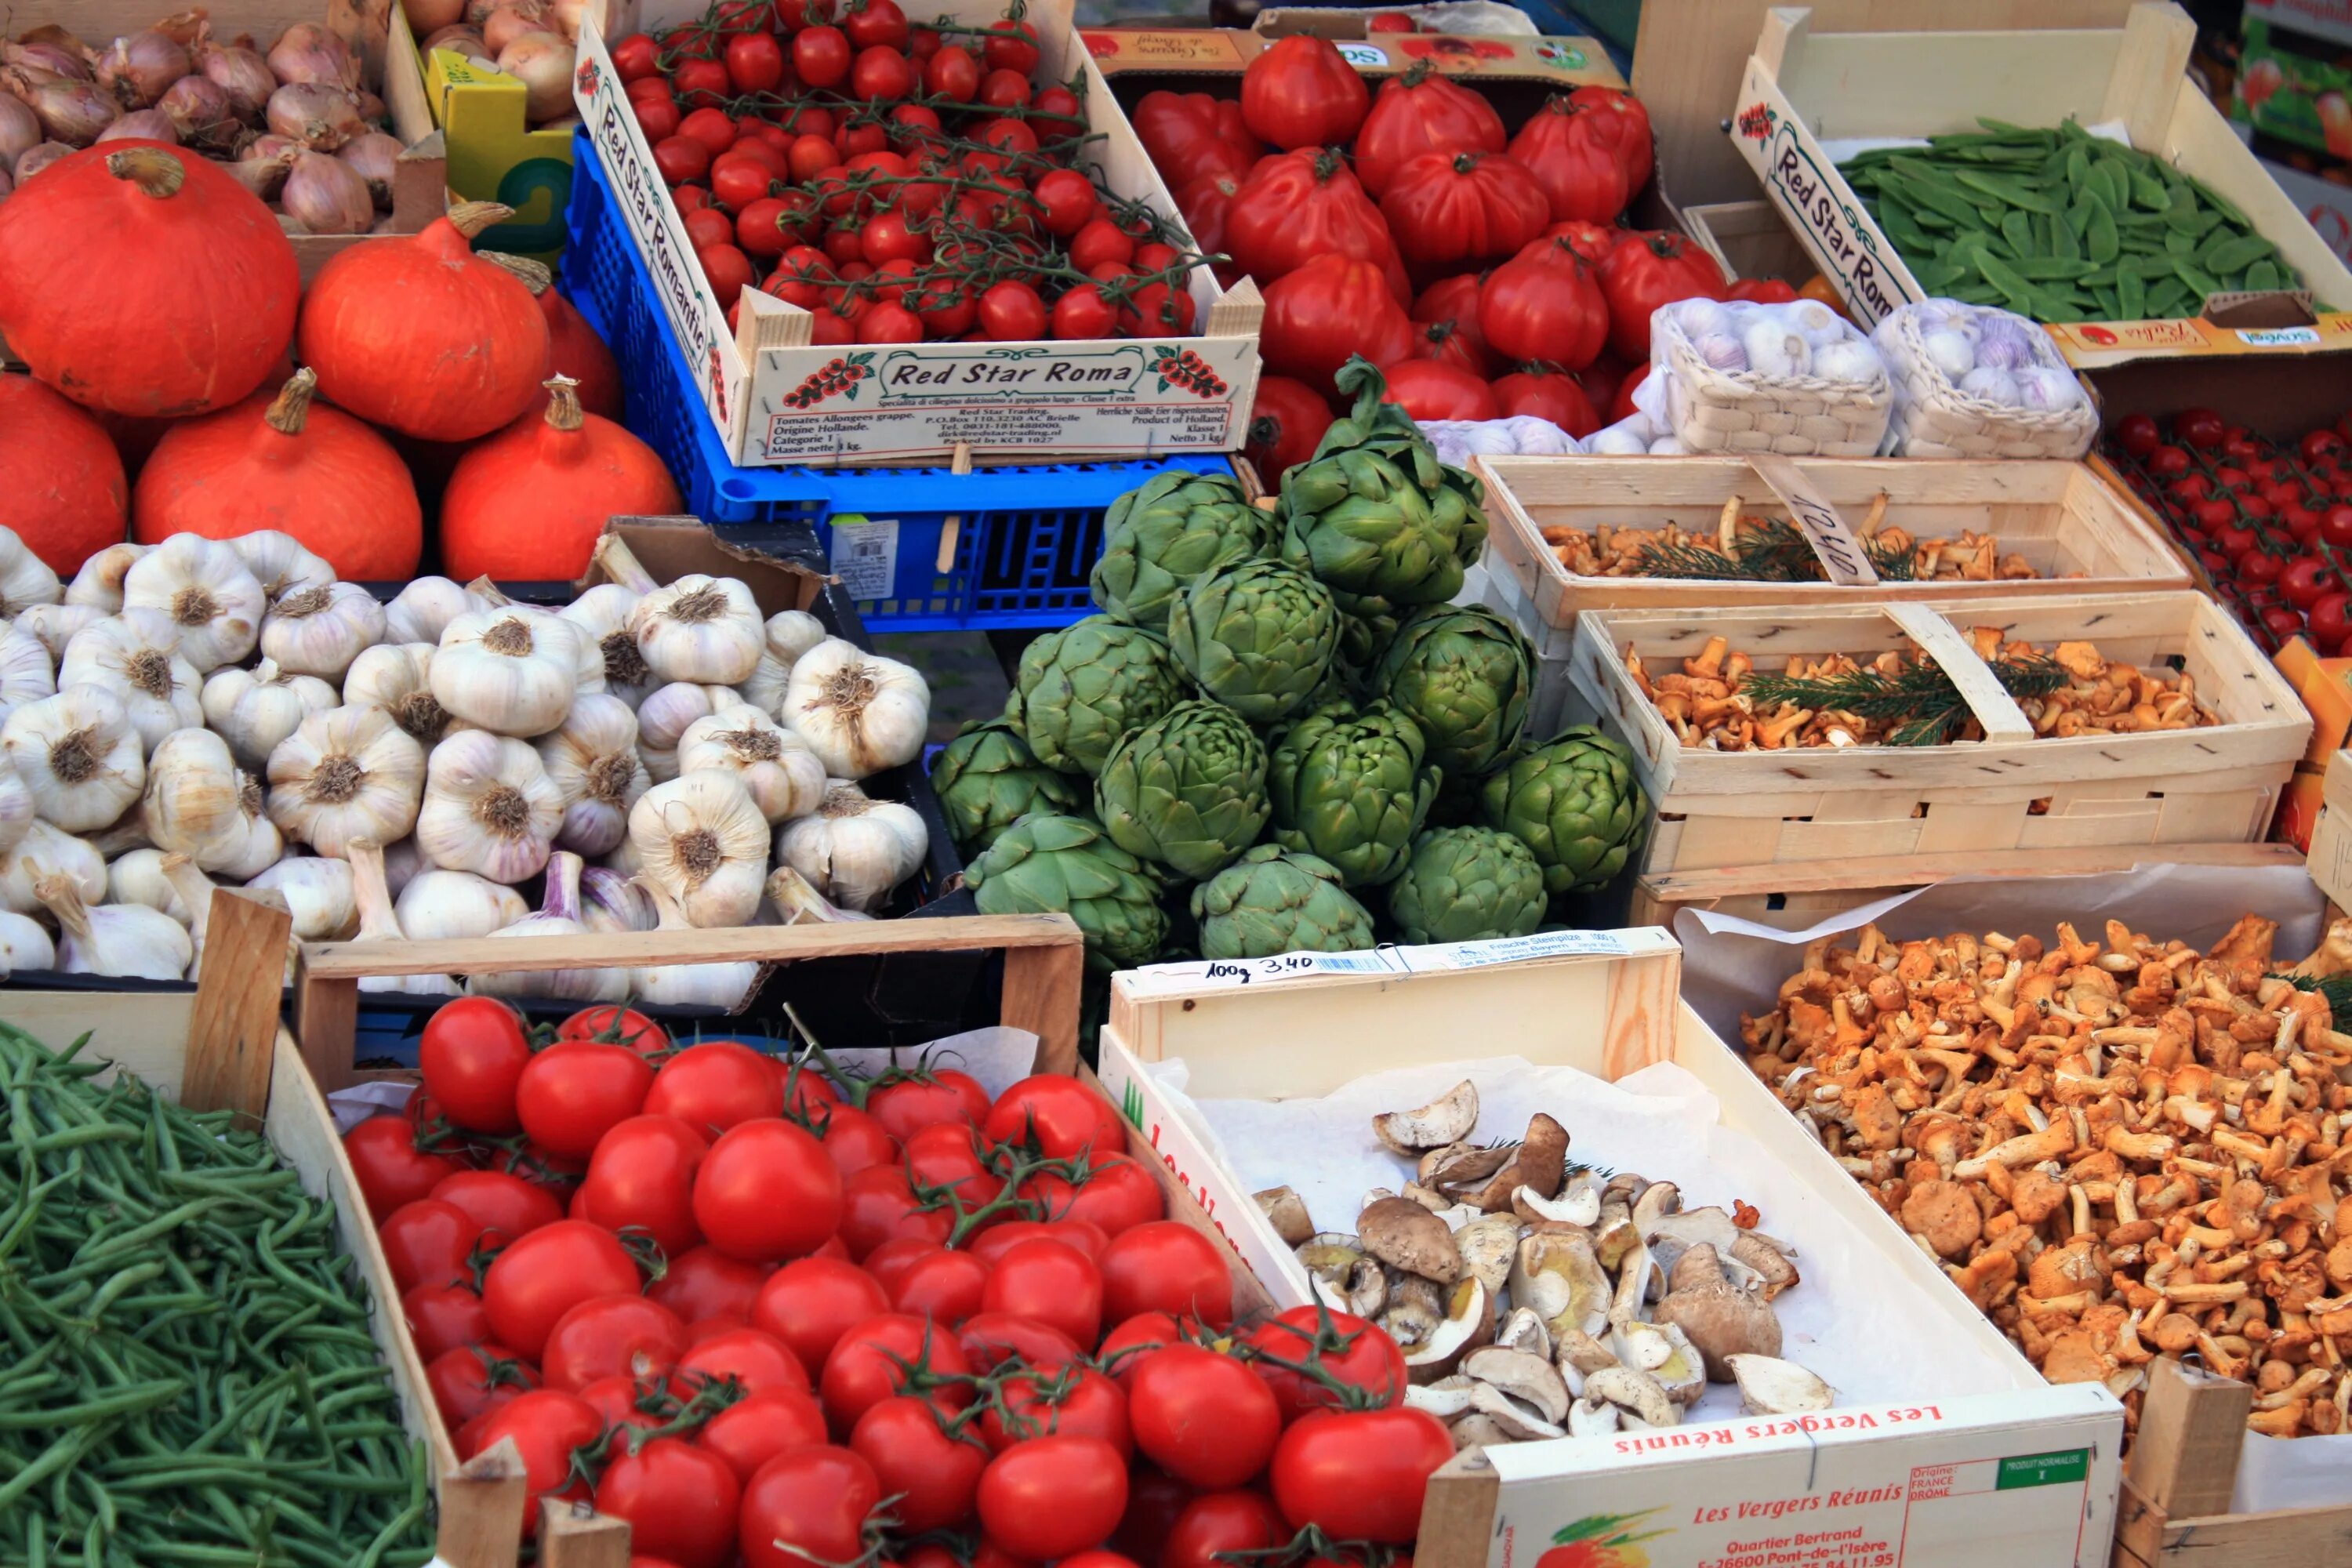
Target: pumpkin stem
[
  {"x": 563, "y": 403},
  {"x": 290, "y": 409},
  {"x": 470, "y": 218},
  {"x": 533, "y": 275},
  {"x": 154, "y": 169}
]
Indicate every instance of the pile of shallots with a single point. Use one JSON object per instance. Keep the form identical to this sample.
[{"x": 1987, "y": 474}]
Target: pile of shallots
[
  {"x": 293, "y": 123},
  {"x": 531, "y": 40},
  {"x": 203, "y": 713}
]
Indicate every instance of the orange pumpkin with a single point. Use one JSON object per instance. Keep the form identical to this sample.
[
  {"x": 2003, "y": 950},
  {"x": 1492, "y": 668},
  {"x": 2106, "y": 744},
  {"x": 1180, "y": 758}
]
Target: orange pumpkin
[
  {"x": 61, "y": 475},
  {"x": 527, "y": 504}
]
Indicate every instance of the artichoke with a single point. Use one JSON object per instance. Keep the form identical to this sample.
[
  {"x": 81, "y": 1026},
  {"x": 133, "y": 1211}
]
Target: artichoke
[
  {"x": 1067, "y": 865},
  {"x": 1463, "y": 674},
  {"x": 1468, "y": 884},
  {"x": 1270, "y": 902},
  {"x": 1159, "y": 539},
  {"x": 1575, "y": 804},
  {"x": 1258, "y": 636},
  {"x": 1353, "y": 789},
  {"x": 1374, "y": 512},
  {"x": 1081, "y": 689},
  {"x": 1188, "y": 791},
  {"x": 987, "y": 779}
]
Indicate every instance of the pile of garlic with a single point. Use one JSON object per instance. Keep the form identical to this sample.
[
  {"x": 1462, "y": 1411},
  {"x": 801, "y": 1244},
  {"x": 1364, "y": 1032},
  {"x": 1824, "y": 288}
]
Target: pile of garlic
[{"x": 206, "y": 713}]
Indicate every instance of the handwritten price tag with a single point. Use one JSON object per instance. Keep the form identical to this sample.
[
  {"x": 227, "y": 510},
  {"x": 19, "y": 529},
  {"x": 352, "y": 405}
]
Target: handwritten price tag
[{"x": 1842, "y": 555}]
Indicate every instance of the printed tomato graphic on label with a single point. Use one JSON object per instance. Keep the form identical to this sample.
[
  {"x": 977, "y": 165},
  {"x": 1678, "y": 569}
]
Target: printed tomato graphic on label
[
  {"x": 1184, "y": 369},
  {"x": 2263, "y": 78},
  {"x": 1459, "y": 50},
  {"x": 1102, "y": 46},
  {"x": 831, "y": 379},
  {"x": 1603, "y": 1541},
  {"x": 2335, "y": 123},
  {"x": 717, "y": 386},
  {"x": 585, "y": 80},
  {"x": 1756, "y": 121}
]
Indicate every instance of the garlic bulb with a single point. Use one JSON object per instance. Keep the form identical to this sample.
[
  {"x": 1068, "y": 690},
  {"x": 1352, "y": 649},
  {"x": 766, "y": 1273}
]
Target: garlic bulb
[
  {"x": 121, "y": 941},
  {"x": 558, "y": 915},
  {"x": 592, "y": 759},
  {"x": 24, "y": 946},
  {"x": 17, "y": 811},
  {"x": 318, "y": 891},
  {"x": 27, "y": 674},
  {"x": 50, "y": 851},
  {"x": 615, "y": 901},
  {"x": 701, "y": 839},
  {"x": 699, "y": 628},
  {"x": 689, "y": 985},
  {"x": 280, "y": 562},
  {"x": 489, "y": 808},
  {"x": 423, "y": 609},
  {"x": 128, "y": 832},
  {"x": 437, "y": 905},
  {"x": 790, "y": 634},
  {"x": 98, "y": 583},
  {"x": 853, "y": 849},
  {"x": 135, "y": 655},
  {"x": 138, "y": 877},
  {"x": 791, "y": 902},
  {"x": 199, "y": 804},
  {"x": 319, "y": 631},
  {"x": 859, "y": 712},
  {"x": 54, "y": 626},
  {"x": 79, "y": 754},
  {"x": 204, "y": 586},
  {"x": 603, "y": 613},
  {"x": 380, "y": 923},
  {"x": 254, "y": 710},
  {"x": 783, "y": 776},
  {"x": 26, "y": 579},
  {"x": 345, "y": 774},
  {"x": 513, "y": 671},
  {"x": 665, "y": 715},
  {"x": 193, "y": 891},
  {"x": 398, "y": 678},
  {"x": 401, "y": 860}
]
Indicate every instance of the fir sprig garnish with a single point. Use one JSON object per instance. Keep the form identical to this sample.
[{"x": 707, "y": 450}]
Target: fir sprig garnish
[
  {"x": 1922, "y": 703},
  {"x": 1769, "y": 550}
]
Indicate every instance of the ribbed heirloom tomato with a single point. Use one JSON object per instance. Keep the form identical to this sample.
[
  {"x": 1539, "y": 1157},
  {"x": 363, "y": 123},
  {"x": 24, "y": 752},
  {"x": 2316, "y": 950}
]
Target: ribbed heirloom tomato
[
  {"x": 1575, "y": 159},
  {"x": 1194, "y": 133},
  {"x": 1330, "y": 309},
  {"x": 1642, "y": 275},
  {"x": 1422, "y": 112},
  {"x": 1287, "y": 418},
  {"x": 1300, "y": 205},
  {"x": 1302, "y": 92},
  {"x": 1545, "y": 304},
  {"x": 1433, "y": 389},
  {"x": 1449, "y": 208}
]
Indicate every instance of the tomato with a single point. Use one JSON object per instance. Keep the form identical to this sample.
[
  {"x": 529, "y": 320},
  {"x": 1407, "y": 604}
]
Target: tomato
[
  {"x": 1194, "y": 133},
  {"x": 393, "y": 1171},
  {"x": 1357, "y": 1474},
  {"x": 680, "y": 1500},
  {"x": 430, "y": 1242},
  {"x": 1568, "y": 148},
  {"x": 728, "y": 271},
  {"x": 1302, "y": 92},
  {"x": 932, "y": 1474},
  {"x": 758, "y": 1426},
  {"x": 1068, "y": 201},
  {"x": 908, "y": 1102},
  {"x": 737, "y": 180},
  {"x": 2255, "y": 566},
  {"x": 573, "y": 1092},
  {"x": 700, "y": 83},
  {"x": 443, "y": 1318},
  {"x": 710, "y": 126},
  {"x": 1010, "y": 311},
  {"x": 2330, "y": 619},
  {"x": 1545, "y": 304},
  {"x": 636, "y": 58},
  {"x": 1082, "y": 1236},
  {"x": 1430, "y": 389},
  {"x": 1294, "y": 208},
  {"x": 807, "y": 1505},
  {"x": 2167, "y": 462},
  {"x": 612, "y": 1336},
  {"x": 853, "y": 1140},
  {"x": 1204, "y": 1417},
  {"x": 1012, "y": 46},
  {"x": 1005, "y": 89},
  {"x": 889, "y": 1353},
  {"x": 757, "y": 1360},
  {"x": 1074, "y": 1401},
  {"x": 1420, "y": 112},
  {"x": 1222, "y": 1521},
  {"x": 1287, "y": 418},
  {"x": 471, "y": 1055},
  {"x": 546, "y": 1426},
  {"x": 1168, "y": 1267},
  {"x": 473, "y": 1380},
  {"x": 1058, "y": 1116},
  {"x": 1119, "y": 1194},
  {"x": 621, "y": 1402},
  {"x": 1343, "y": 1347},
  {"x": 1448, "y": 209},
  {"x": 707, "y": 226},
  {"x": 876, "y": 23},
  {"x": 2283, "y": 622},
  {"x": 1062, "y": 103},
  {"x": 990, "y": 1338},
  {"x": 2304, "y": 582},
  {"x": 878, "y": 1206},
  {"x": 951, "y": 73},
  {"x": 2317, "y": 444},
  {"x": 1083, "y": 313},
  {"x": 657, "y": 118},
  {"x": 2198, "y": 427},
  {"x": 767, "y": 1192},
  {"x": 1547, "y": 395},
  {"x": 712, "y": 1087},
  {"x": 706, "y": 1283},
  {"x": 643, "y": 1175},
  {"x": 1051, "y": 1282},
  {"x": 945, "y": 1287},
  {"x": 811, "y": 1302},
  {"x": 1639, "y": 276},
  {"x": 889, "y": 1262},
  {"x": 821, "y": 57},
  {"x": 1132, "y": 1340},
  {"x": 2334, "y": 527},
  {"x": 1098, "y": 241},
  {"x": 755, "y": 62},
  {"x": 946, "y": 1156},
  {"x": 544, "y": 1274},
  {"x": 881, "y": 73},
  {"x": 506, "y": 1205},
  {"x": 1761, "y": 291},
  {"x": 1048, "y": 1496}
]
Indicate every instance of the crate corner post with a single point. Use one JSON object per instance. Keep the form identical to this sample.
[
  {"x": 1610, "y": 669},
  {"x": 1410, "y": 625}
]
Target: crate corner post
[
  {"x": 234, "y": 1027},
  {"x": 1042, "y": 982},
  {"x": 482, "y": 1504}
]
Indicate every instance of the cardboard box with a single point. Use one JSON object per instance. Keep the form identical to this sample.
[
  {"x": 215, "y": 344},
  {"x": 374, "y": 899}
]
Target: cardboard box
[
  {"x": 2025, "y": 1477},
  {"x": 493, "y": 157},
  {"x": 2294, "y": 87},
  {"x": 1451, "y": 18},
  {"x": 2326, "y": 204},
  {"x": 1104, "y": 397},
  {"x": 1804, "y": 89},
  {"x": 2327, "y": 19}
]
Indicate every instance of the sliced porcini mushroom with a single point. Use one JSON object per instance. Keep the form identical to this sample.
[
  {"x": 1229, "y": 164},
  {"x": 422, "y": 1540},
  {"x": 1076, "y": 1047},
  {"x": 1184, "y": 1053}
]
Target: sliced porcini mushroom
[
  {"x": 1456, "y": 1215},
  {"x": 1591, "y": 1417},
  {"x": 1637, "y": 1396},
  {"x": 1445, "y": 1399},
  {"x": 1578, "y": 1352},
  {"x": 1658, "y": 1200},
  {"x": 1286, "y": 1212},
  {"x": 1543, "y": 1156},
  {"x": 1477, "y": 1430},
  {"x": 1767, "y": 1258},
  {"x": 1560, "y": 1278},
  {"x": 1624, "y": 1186},
  {"x": 1460, "y": 1161},
  {"x": 1682, "y": 1375},
  {"x": 1641, "y": 1346},
  {"x": 1524, "y": 1330},
  {"x": 1529, "y": 1379},
  {"x": 1770, "y": 1386},
  {"x": 1721, "y": 1322},
  {"x": 1435, "y": 1202},
  {"x": 1487, "y": 1245},
  {"x": 1415, "y": 1314},
  {"x": 1670, "y": 1236},
  {"x": 1329, "y": 1252},
  {"x": 1477, "y": 1181},
  {"x": 1366, "y": 1292},
  {"x": 1403, "y": 1234},
  {"x": 1577, "y": 1206},
  {"x": 1615, "y": 1233},
  {"x": 1632, "y": 1293},
  {"x": 1523, "y": 1423},
  {"x": 1467, "y": 1322},
  {"x": 1448, "y": 1118}
]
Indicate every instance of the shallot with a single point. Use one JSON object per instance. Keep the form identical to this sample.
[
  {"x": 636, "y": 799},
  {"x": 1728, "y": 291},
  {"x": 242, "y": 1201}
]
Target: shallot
[
  {"x": 327, "y": 195},
  {"x": 239, "y": 72},
  {"x": 310, "y": 55},
  {"x": 373, "y": 155},
  {"x": 69, "y": 110},
  {"x": 38, "y": 159},
  {"x": 198, "y": 108},
  {"x": 322, "y": 118},
  {"x": 429, "y": 16},
  {"x": 263, "y": 163},
  {"x": 542, "y": 62},
  {"x": 138, "y": 68},
  {"x": 56, "y": 58},
  {"x": 511, "y": 20},
  {"x": 19, "y": 131},
  {"x": 142, "y": 125}
]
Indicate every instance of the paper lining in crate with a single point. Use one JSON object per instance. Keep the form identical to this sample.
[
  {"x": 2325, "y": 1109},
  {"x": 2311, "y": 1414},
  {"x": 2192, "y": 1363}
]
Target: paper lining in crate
[
  {"x": 1807, "y": 416},
  {"x": 1935, "y": 419},
  {"x": 2217, "y": 784}
]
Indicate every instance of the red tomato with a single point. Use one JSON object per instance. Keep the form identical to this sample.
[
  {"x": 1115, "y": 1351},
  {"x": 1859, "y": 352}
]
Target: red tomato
[
  {"x": 1098, "y": 241},
  {"x": 1193, "y": 132},
  {"x": 2167, "y": 462},
  {"x": 1342, "y": 1347},
  {"x": 889, "y": 1353},
  {"x": 1543, "y": 304},
  {"x": 878, "y": 1206},
  {"x": 2200, "y": 427},
  {"x": 1449, "y": 209},
  {"x": 443, "y": 1318},
  {"x": 888, "y": 1263},
  {"x": 706, "y": 1283},
  {"x": 1168, "y": 1267},
  {"x": 926, "y": 1098},
  {"x": 821, "y": 57},
  {"x": 1119, "y": 1194},
  {"x": 680, "y": 1500},
  {"x": 1624, "y": 125},
  {"x": 658, "y": 118},
  {"x": 1287, "y": 418},
  {"x": 430, "y": 1242},
  {"x": 1086, "y": 1238},
  {"x": 1568, "y": 148},
  {"x": 393, "y": 1171},
  {"x": 876, "y": 24},
  {"x": 1357, "y": 1474},
  {"x": 1302, "y": 92},
  {"x": 1639, "y": 276},
  {"x": 712, "y": 1087},
  {"x": 1547, "y": 395},
  {"x": 807, "y": 1505},
  {"x": 932, "y": 1474},
  {"x": 546, "y": 1426},
  {"x": 1292, "y": 209},
  {"x": 1331, "y": 308},
  {"x": 621, "y": 1402},
  {"x": 1215, "y": 1523},
  {"x": 610, "y": 1336},
  {"x": 1050, "y": 1497},
  {"x": 767, "y": 1192},
  {"x": 946, "y": 1156},
  {"x": 707, "y": 226},
  {"x": 990, "y": 1338},
  {"x": 1063, "y": 105},
  {"x": 2330, "y": 619},
  {"x": 853, "y": 1140},
  {"x": 1055, "y": 1115},
  {"x": 881, "y": 73},
  {"x": 1420, "y": 112},
  {"x": 2304, "y": 582},
  {"x": 1067, "y": 200},
  {"x": 644, "y": 1175},
  {"x": 1005, "y": 89},
  {"x": 1074, "y": 1401},
  {"x": 728, "y": 271},
  {"x": 2334, "y": 527},
  {"x": 499, "y": 1202},
  {"x": 1447, "y": 313},
  {"x": 942, "y": 1286},
  {"x": 544, "y": 1274},
  {"x": 636, "y": 58},
  {"x": 472, "y": 1379},
  {"x": 2138, "y": 434},
  {"x": 1082, "y": 313},
  {"x": 712, "y": 128},
  {"x": 1762, "y": 291},
  {"x": 1010, "y": 311},
  {"x": 700, "y": 83},
  {"x": 1132, "y": 1340},
  {"x": 1204, "y": 1418},
  {"x": 811, "y": 1302},
  {"x": 758, "y": 1426},
  {"x": 573, "y": 1092},
  {"x": 471, "y": 1055},
  {"x": 1050, "y": 1282},
  {"x": 2255, "y": 566},
  {"x": 1430, "y": 389},
  {"x": 951, "y": 73},
  {"x": 755, "y": 62},
  {"x": 758, "y": 1361}
]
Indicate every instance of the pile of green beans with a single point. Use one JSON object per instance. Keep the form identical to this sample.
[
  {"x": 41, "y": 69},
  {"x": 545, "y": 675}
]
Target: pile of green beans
[
  {"x": 2061, "y": 226},
  {"x": 186, "y": 1375}
]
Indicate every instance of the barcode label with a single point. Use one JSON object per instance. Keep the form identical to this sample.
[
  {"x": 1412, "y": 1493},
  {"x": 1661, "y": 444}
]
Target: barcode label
[{"x": 865, "y": 555}]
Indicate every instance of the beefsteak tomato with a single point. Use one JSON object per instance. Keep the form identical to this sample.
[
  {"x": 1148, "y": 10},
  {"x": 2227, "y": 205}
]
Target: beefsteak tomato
[
  {"x": 1574, "y": 157},
  {"x": 1302, "y": 92},
  {"x": 1546, "y": 394},
  {"x": 1419, "y": 112},
  {"x": 1444, "y": 209},
  {"x": 1545, "y": 304},
  {"x": 1299, "y": 206},
  {"x": 1624, "y": 124},
  {"x": 1432, "y": 389},
  {"x": 1333, "y": 306},
  {"x": 1447, "y": 313},
  {"x": 1642, "y": 275},
  {"x": 1288, "y": 417},
  {"x": 1195, "y": 132}
]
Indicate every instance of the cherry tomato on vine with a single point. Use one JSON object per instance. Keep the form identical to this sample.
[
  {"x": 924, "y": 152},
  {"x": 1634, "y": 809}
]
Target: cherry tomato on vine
[
  {"x": 755, "y": 62},
  {"x": 2198, "y": 427},
  {"x": 1012, "y": 46},
  {"x": 2167, "y": 462},
  {"x": 881, "y": 72},
  {"x": 1067, "y": 200},
  {"x": 821, "y": 57},
  {"x": 932, "y": 1475},
  {"x": 707, "y": 226},
  {"x": 737, "y": 182},
  {"x": 951, "y": 73},
  {"x": 1005, "y": 89},
  {"x": 2257, "y": 567},
  {"x": 393, "y": 1171},
  {"x": 2305, "y": 582},
  {"x": 636, "y": 58},
  {"x": 700, "y": 84},
  {"x": 2336, "y": 526},
  {"x": 1010, "y": 311},
  {"x": 1056, "y": 100},
  {"x": 1047, "y": 1498},
  {"x": 474, "y": 1379},
  {"x": 1083, "y": 313},
  {"x": 2330, "y": 620},
  {"x": 443, "y": 1318},
  {"x": 681, "y": 158}
]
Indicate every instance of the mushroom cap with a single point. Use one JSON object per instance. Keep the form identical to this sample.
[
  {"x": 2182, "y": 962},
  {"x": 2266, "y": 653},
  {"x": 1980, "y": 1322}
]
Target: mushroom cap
[
  {"x": 1403, "y": 1234},
  {"x": 1448, "y": 1118}
]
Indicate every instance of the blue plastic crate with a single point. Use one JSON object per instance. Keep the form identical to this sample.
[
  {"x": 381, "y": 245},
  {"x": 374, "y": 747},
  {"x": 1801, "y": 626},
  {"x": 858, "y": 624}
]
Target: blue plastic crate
[{"x": 1026, "y": 537}]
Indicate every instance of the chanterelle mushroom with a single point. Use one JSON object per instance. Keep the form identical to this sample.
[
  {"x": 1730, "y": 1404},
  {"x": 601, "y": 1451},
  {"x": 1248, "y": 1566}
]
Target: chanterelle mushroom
[{"x": 1448, "y": 1118}]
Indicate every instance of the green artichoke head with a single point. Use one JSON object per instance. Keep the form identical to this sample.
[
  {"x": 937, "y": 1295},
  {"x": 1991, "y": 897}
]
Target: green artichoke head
[
  {"x": 1066, "y": 865},
  {"x": 1352, "y": 788},
  {"x": 1188, "y": 792},
  {"x": 1081, "y": 689},
  {"x": 1576, "y": 804},
  {"x": 987, "y": 779},
  {"x": 1258, "y": 636},
  {"x": 1463, "y": 674},
  {"x": 1468, "y": 884},
  {"x": 1274, "y": 900},
  {"x": 1159, "y": 539}
]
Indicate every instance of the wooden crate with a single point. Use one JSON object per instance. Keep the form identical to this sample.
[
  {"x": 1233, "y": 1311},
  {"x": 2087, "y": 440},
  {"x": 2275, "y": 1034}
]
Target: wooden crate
[
  {"x": 2330, "y": 856},
  {"x": 2175, "y": 1508},
  {"x": 2211, "y": 785},
  {"x": 1748, "y": 240},
  {"x": 1607, "y": 1002}
]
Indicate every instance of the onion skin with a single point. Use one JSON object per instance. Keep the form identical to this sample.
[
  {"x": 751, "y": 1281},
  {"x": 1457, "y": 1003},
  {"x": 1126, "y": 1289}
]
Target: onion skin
[
  {"x": 309, "y": 54},
  {"x": 322, "y": 118},
  {"x": 199, "y": 110},
  {"x": 327, "y": 195},
  {"x": 242, "y": 74},
  {"x": 263, "y": 165},
  {"x": 511, "y": 20},
  {"x": 374, "y": 156},
  {"x": 141, "y": 67},
  {"x": 20, "y": 132},
  {"x": 542, "y": 62},
  {"x": 58, "y": 60},
  {"x": 70, "y": 111},
  {"x": 141, "y": 125},
  {"x": 34, "y": 159}
]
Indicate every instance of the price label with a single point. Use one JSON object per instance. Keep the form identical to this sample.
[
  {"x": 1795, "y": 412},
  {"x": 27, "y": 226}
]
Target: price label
[{"x": 1842, "y": 555}]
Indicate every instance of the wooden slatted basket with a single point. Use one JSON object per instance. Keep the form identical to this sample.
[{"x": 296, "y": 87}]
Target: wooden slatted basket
[{"x": 2010, "y": 791}]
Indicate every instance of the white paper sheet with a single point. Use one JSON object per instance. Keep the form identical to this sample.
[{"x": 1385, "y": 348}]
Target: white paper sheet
[{"x": 1841, "y": 1321}]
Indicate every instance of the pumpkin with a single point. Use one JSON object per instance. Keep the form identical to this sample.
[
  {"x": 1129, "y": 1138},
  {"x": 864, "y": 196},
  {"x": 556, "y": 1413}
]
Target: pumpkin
[
  {"x": 573, "y": 349},
  {"x": 281, "y": 460},
  {"x": 144, "y": 280},
  {"x": 528, "y": 504},
  {"x": 62, "y": 478},
  {"x": 420, "y": 335}
]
